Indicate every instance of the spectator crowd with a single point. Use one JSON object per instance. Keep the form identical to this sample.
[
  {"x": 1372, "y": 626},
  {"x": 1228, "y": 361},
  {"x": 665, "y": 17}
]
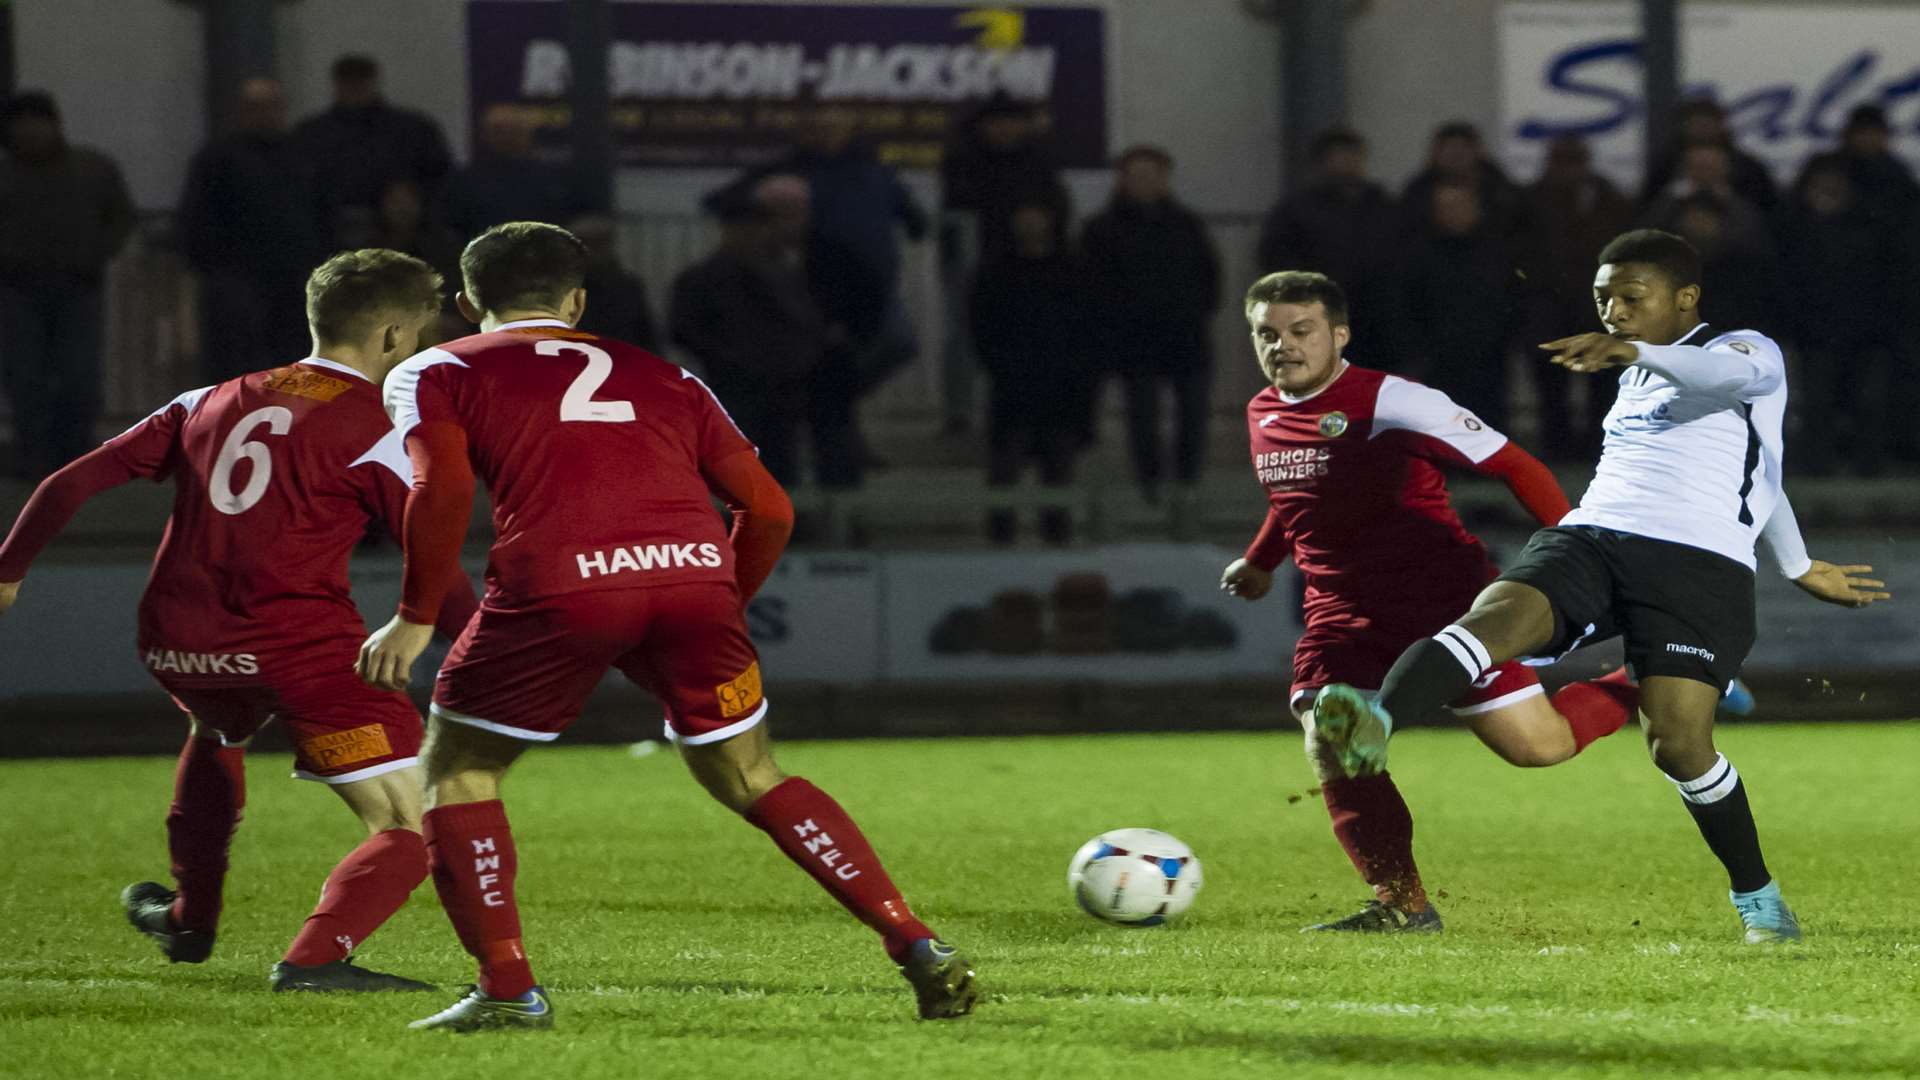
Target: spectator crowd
[{"x": 797, "y": 315}]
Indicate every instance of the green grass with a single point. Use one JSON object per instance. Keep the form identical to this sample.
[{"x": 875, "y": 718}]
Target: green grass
[{"x": 1588, "y": 929}]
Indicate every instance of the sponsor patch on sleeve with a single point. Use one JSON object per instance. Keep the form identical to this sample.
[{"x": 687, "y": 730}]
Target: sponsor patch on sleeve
[
  {"x": 742, "y": 695},
  {"x": 338, "y": 749}
]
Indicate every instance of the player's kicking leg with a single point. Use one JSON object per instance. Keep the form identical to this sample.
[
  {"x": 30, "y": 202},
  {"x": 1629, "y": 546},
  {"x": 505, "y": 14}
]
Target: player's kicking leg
[
  {"x": 816, "y": 833},
  {"x": 471, "y": 854},
  {"x": 363, "y": 891},
  {"x": 209, "y": 792}
]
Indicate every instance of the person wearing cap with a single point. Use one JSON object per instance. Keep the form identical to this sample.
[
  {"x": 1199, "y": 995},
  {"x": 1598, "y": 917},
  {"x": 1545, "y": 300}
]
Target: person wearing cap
[{"x": 64, "y": 214}]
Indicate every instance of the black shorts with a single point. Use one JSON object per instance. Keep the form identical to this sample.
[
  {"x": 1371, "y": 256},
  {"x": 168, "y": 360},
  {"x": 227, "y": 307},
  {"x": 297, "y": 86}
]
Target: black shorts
[{"x": 1683, "y": 611}]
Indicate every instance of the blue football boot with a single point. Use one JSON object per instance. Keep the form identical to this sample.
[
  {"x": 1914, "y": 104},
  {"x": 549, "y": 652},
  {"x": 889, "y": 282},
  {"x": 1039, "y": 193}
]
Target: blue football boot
[{"x": 1768, "y": 919}]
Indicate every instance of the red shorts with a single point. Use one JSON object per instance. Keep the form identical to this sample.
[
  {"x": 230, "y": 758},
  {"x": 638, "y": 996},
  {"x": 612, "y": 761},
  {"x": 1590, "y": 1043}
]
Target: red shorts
[
  {"x": 526, "y": 671},
  {"x": 343, "y": 730},
  {"x": 1359, "y": 655}
]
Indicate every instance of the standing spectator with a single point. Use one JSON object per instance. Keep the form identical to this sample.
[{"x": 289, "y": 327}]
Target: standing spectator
[
  {"x": 64, "y": 212},
  {"x": 1155, "y": 279},
  {"x": 507, "y": 180},
  {"x": 748, "y": 317},
  {"x": 1458, "y": 157},
  {"x": 998, "y": 162},
  {"x": 1881, "y": 182},
  {"x": 1340, "y": 224},
  {"x": 403, "y": 222},
  {"x": 250, "y": 226},
  {"x": 1457, "y": 303},
  {"x": 361, "y": 144},
  {"x": 1708, "y": 168},
  {"x": 617, "y": 305},
  {"x": 1575, "y": 212},
  {"x": 1029, "y": 315},
  {"x": 1702, "y": 122},
  {"x": 1840, "y": 258},
  {"x": 1738, "y": 267}
]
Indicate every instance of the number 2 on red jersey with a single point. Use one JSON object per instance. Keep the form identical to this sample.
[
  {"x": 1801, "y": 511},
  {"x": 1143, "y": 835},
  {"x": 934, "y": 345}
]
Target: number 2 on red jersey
[{"x": 577, "y": 403}]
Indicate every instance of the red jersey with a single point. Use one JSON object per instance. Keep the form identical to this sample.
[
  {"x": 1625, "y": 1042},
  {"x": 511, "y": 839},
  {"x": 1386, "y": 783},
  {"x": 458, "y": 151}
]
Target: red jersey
[
  {"x": 594, "y": 452},
  {"x": 276, "y": 476},
  {"x": 1355, "y": 493}
]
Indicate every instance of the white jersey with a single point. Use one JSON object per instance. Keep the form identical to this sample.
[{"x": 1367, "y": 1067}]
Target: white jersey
[{"x": 1693, "y": 446}]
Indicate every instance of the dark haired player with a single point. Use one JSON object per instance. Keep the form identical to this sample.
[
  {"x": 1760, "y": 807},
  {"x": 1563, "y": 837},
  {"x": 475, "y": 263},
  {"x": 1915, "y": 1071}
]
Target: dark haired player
[
  {"x": 1351, "y": 461},
  {"x": 1659, "y": 552},
  {"x": 602, "y": 460},
  {"x": 247, "y": 616}
]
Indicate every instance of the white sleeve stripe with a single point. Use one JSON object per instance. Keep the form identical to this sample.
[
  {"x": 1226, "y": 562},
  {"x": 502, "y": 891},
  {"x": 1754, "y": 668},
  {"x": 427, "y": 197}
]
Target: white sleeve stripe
[
  {"x": 390, "y": 451},
  {"x": 189, "y": 401},
  {"x": 685, "y": 374},
  {"x": 402, "y": 388}
]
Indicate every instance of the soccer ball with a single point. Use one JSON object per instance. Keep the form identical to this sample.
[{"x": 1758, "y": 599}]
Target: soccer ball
[{"x": 1134, "y": 877}]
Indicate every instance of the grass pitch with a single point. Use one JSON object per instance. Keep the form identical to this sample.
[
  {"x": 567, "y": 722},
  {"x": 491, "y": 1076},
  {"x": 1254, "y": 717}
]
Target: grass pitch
[{"x": 1588, "y": 929}]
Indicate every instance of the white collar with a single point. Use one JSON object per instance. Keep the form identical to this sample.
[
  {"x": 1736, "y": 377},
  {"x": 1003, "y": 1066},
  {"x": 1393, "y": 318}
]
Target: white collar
[
  {"x": 1291, "y": 400},
  {"x": 332, "y": 365},
  {"x": 518, "y": 323}
]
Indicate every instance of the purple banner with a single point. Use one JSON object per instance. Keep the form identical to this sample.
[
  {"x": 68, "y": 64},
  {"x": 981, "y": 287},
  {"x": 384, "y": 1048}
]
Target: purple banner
[{"x": 728, "y": 84}]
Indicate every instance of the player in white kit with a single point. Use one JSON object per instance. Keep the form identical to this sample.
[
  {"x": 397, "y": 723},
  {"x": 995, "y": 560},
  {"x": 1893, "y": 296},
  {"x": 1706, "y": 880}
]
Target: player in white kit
[{"x": 1659, "y": 552}]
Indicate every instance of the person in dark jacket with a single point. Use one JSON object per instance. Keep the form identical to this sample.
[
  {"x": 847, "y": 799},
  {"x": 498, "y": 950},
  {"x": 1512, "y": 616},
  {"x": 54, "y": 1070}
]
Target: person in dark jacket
[
  {"x": 617, "y": 305},
  {"x": 1457, "y": 304},
  {"x": 1029, "y": 311},
  {"x": 507, "y": 180},
  {"x": 1155, "y": 281},
  {"x": 1575, "y": 211},
  {"x": 1838, "y": 257},
  {"x": 1340, "y": 224},
  {"x": 997, "y": 162},
  {"x": 64, "y": 213},
  {"x": 1703, "y": 121},
  {"x": 1457, "y": 156},
  {"x": 249, "y": 224},
  {"x": 747, "y": 315},
  {"x": 361, "y": 144}
]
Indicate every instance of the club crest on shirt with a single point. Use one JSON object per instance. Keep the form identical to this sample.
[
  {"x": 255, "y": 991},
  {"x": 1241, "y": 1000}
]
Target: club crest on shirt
[{"x": 1333, "y": 425}]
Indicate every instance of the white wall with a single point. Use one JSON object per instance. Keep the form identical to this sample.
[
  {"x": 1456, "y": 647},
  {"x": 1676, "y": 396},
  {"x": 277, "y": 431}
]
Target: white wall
[
  {"x": 1413, "y": 65},
  {"x": 127, "y": 75}
]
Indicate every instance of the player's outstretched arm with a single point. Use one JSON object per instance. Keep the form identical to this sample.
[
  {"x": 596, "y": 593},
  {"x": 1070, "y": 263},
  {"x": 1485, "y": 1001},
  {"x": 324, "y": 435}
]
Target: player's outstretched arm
[
  {"x": 438, "y": 509},
  {"x": 1847, "y": 586},
  {"x": 762, "y": 517},
  {"x": 1533, "y": 485},
  {"x": 51, "y": 507}
]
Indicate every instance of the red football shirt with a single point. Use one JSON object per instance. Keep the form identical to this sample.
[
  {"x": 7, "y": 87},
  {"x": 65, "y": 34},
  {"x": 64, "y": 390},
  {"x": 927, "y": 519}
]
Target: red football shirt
[
  {"x": 592, "y": 450},
  {"x": 276, "y": 476},
  {"x": 1354, "y": 488}
]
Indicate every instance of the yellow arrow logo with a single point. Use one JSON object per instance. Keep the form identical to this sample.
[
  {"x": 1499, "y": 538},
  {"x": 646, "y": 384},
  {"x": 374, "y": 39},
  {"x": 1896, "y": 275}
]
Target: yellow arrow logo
[{"x": 1000, "y": 28}]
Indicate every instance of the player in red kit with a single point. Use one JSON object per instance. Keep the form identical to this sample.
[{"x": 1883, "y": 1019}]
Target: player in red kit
[
  {"x": 603, "y": 461},
  {"x": 1351, "y": 461},
  {"x": 247, "y": 616}
]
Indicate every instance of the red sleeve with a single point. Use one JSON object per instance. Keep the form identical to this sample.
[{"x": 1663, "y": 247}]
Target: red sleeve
[
  {"x": 1270, "y": 546},
  {"x": 762, "y": 516},
  {"x": 435, "y": 521},
  {"x": 720, "y": 437},
  {"x": 54, "y": 503},
  {"x": 389, "y": 499},
  {"x": 1532, "y": 483}
]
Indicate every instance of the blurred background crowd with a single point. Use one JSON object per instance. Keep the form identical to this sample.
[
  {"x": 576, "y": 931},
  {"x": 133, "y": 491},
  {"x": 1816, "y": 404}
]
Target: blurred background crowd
[{"x": 796, "y": 315}]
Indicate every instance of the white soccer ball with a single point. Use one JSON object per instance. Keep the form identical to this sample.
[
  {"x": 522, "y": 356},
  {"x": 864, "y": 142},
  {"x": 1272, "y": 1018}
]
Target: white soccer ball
[{"x": 1134, "y": 877}]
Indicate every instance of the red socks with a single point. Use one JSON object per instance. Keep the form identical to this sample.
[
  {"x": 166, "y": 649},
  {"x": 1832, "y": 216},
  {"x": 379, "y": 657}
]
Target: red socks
[
  {"x": 209, "y": 790},
  {"x": 1597, "y": 708},
  {"x": 470, "y": 851},
  {"x": 363, "y": 891},
  {"x": 818, "y": 835},
  {"x": 1374, "y": 826}
]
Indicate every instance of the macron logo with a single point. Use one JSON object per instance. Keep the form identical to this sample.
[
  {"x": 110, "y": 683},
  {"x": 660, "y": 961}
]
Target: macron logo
[
  {"x": 648, "y": 557},
  {"x": 1270, "y": 419},
  {"x": 1691, "y": 650}
]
